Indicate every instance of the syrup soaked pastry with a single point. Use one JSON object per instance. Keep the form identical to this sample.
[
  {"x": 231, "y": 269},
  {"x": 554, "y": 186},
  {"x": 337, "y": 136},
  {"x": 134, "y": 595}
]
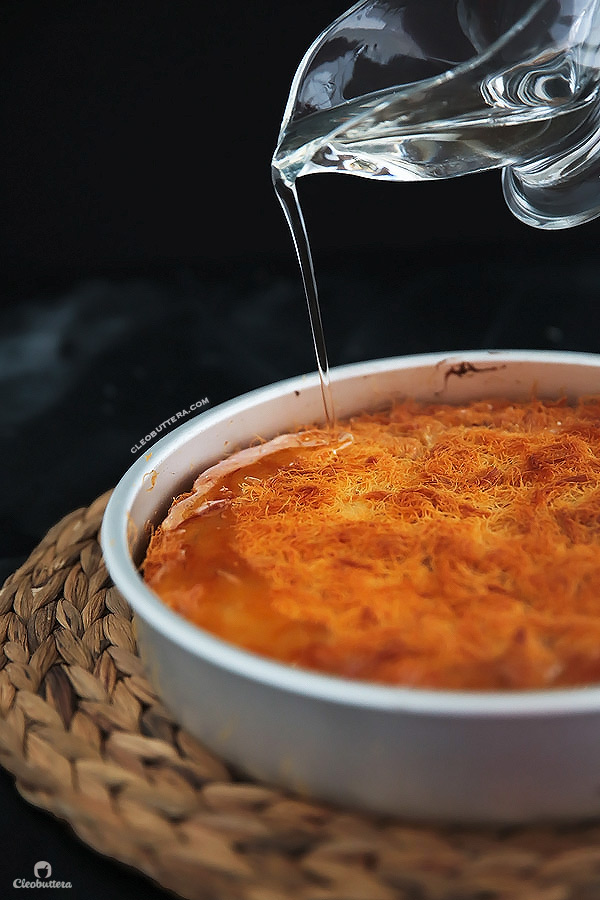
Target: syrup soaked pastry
[{"x": 432, "y": 546}]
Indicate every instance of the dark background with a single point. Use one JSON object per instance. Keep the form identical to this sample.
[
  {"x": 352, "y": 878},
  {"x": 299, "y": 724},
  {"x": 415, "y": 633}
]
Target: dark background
[{"x": 145, "y": 264}]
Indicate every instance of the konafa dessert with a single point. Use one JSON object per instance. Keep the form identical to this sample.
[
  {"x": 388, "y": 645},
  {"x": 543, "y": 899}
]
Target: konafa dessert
[{"x": 438, "y": 546}]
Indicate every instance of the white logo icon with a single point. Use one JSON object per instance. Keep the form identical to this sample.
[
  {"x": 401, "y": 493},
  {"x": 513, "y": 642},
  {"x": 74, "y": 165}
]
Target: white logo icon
[
  {"x": 42, "y": 872},
  {"x": 42, "y": 869}
]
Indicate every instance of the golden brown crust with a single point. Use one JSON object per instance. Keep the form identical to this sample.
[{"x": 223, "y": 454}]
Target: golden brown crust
[
  {"x": 193, "y": 502},
  {"x": 440, "y": 546}
]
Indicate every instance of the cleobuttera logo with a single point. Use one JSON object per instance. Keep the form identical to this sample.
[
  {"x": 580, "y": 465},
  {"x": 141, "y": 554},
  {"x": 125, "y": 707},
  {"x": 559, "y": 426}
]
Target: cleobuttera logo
[
  {"x": 42, "y": 869},
  {"x": 42, "y": 874}
]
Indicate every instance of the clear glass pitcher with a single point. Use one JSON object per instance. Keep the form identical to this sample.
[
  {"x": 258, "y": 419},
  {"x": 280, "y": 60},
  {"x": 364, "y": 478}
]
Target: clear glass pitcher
[{"x": 424, "y": 89}]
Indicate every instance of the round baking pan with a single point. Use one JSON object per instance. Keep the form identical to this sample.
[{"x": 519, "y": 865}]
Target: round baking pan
[{"x": 452, "y": 756}]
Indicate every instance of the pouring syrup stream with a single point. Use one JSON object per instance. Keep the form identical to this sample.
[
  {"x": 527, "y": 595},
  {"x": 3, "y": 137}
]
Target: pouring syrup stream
[{"x": 288, "y": 197}]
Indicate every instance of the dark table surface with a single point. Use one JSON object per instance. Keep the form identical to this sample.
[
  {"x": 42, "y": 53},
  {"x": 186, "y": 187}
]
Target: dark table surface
[{"x": 141, "y": 273}]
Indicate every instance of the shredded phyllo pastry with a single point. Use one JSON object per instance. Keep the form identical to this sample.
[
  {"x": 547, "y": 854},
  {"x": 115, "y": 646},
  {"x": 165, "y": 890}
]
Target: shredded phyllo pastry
[{"x": 433, "y": 546}]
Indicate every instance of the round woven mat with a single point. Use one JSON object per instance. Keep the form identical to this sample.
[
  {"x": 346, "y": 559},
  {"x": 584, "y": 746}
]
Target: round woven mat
[{"x": 88, "y": 740}]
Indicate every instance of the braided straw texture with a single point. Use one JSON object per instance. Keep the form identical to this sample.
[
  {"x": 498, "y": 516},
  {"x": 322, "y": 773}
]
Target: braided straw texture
[{"x": 87, "y": 739}]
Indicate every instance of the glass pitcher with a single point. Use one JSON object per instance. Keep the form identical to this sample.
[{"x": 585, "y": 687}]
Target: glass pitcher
[{"x": 424, "y": 89}]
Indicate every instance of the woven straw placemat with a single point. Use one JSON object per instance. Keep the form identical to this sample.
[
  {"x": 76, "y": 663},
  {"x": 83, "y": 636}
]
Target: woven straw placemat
[{"x": 87, "y": 739}]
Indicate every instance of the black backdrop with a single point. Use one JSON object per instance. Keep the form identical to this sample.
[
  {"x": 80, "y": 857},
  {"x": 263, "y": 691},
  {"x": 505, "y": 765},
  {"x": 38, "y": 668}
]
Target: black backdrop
[
  {"x": 138, "y": 136},
  {"x": 146, "y": 265}
]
